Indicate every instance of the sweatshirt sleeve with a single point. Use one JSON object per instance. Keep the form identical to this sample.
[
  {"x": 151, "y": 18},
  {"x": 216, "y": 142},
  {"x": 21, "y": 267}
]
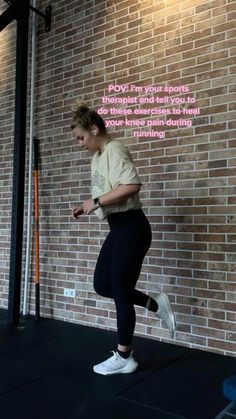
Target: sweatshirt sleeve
[{"x": 121, "y": 166}]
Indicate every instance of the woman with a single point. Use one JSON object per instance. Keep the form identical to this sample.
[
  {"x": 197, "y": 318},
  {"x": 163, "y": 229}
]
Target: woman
[{"x": 115, "y": 196}]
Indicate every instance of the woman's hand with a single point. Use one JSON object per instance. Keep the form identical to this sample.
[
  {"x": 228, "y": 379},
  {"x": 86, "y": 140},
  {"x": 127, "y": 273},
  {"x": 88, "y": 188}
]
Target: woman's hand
[
  {"x": 89, "y": 206},
  {"x": 76, "y": 212},
  {"x": 86, "y": 208}
]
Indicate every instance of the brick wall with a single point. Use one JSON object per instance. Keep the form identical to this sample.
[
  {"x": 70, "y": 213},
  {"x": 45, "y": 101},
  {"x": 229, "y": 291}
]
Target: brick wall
[{"x": 189, "y": 184}]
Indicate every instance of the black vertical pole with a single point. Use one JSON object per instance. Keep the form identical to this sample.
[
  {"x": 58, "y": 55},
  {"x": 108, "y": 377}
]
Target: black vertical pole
[
  {"x": 36, "y": 219},
  {"x": 22, "y": 15}
]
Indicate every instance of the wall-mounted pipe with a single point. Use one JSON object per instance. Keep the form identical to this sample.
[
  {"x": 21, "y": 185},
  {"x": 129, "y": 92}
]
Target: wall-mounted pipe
[{"x": 31, "y": 136}]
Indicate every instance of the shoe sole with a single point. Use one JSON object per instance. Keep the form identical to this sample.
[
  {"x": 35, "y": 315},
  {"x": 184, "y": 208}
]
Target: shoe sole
[
  {"x": 124, "y": 370},
  {"x": 165, "y": 300}
]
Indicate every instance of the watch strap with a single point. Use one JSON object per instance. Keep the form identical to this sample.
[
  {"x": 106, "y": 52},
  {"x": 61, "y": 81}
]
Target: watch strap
[{"x": 97, "y": 201}]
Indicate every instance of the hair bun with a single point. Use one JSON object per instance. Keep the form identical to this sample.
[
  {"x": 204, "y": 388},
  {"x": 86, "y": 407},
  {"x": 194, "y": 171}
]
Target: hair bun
[
  {"x": 81, "y": 107},
  {"x": 85, "y": 118}
]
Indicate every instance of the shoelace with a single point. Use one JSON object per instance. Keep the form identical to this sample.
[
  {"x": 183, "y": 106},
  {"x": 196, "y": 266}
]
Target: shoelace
[
  {"x": 117, "y": 356},
  {"x": 114, "y": 357}
]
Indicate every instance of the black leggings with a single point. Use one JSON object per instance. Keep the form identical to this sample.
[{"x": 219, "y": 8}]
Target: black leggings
[{"x": 119, "y": 264}]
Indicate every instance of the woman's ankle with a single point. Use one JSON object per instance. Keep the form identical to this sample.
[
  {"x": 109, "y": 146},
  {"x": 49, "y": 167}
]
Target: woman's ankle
[
  {"x": 124, "y": 348},
  {"x": 152, "y": 304},
  {"x": 124, "y": 351}
]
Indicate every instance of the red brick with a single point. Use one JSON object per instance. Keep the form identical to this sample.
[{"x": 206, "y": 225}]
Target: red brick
[
  {"x": 213, "y": 39},
  {"x": 224, "y": 27}
]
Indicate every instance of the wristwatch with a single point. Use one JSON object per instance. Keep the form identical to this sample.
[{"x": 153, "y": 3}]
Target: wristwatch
[{"x": 97, "y": 201}]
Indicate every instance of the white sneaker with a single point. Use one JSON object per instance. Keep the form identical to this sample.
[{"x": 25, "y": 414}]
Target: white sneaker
[
  {"x": 116, "y": 365},
  {"x": 165, "y": 312}
]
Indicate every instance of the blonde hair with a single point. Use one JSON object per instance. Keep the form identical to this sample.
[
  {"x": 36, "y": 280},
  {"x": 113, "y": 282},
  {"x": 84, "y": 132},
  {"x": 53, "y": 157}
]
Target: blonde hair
[{"x": 85, "y": 118}]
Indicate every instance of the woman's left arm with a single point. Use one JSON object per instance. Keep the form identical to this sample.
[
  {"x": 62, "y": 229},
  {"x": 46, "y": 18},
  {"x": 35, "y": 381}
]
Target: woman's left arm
[{"x": 120, "y": 193}]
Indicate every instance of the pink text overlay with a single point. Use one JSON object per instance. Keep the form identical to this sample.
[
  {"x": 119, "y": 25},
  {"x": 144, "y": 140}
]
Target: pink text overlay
[{"x": 125, "y": 110}]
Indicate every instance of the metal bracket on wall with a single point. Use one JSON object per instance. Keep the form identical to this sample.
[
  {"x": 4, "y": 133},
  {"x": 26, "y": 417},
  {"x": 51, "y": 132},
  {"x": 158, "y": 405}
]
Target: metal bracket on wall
[{"x": 47, "y": 16}]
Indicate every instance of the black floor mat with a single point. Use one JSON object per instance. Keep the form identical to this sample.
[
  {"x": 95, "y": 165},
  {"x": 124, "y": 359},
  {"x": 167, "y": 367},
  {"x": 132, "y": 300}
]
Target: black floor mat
[
  {"x": 191, "y": 386},
  {"x": 72, "y": 356},
  {"x": 55, "y": 397},
  {"x": 30, "y": 332},
  {"x": 46, "y": 371}
]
